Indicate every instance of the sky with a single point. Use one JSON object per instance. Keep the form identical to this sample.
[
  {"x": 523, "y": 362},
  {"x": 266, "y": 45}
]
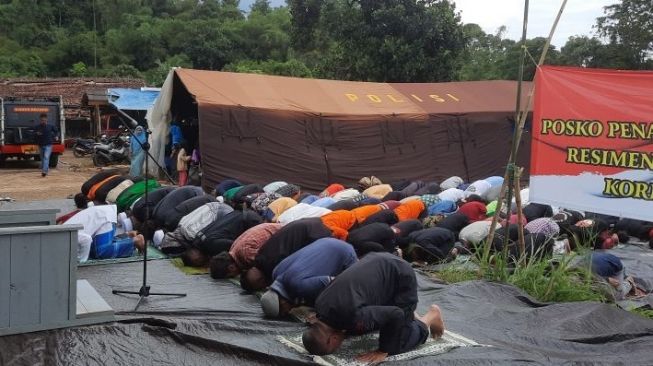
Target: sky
[{"x": 578, "y": 18}]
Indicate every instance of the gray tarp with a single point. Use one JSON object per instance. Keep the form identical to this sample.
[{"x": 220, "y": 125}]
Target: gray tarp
[{"x": 218, "y": 324}]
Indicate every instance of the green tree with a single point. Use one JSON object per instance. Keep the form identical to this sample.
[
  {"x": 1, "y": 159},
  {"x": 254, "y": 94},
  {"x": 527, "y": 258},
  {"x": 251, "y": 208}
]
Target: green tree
[
  {"x": 78, "y": 69},
  {"x": 628, "y": 26},
  {"x": 261, "y": 7}
]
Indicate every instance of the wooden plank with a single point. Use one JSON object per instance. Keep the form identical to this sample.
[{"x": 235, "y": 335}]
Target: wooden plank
[
  {"x": 5, "y": 280},
  {"x": 55, "y": 273},
  {"x": 25, "y": 279},
  {"x": 92, "y": 303}
]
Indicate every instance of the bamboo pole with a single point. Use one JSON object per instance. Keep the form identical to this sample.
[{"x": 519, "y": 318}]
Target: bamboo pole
[
  {"x": 520, "y": 213},
  {"x": 519, "y": 128}
]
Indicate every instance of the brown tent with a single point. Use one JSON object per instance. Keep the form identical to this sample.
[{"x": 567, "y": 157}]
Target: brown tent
[{"x": 259, "y": 128}]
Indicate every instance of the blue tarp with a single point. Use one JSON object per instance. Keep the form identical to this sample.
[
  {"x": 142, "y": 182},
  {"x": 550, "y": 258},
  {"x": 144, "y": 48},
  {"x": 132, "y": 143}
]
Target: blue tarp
[{"x": 133, "y": 99}]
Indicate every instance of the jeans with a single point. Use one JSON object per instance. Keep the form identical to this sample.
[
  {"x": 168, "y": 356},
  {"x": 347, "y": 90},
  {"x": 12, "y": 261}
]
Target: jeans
[{"x": 45, "y": 152}]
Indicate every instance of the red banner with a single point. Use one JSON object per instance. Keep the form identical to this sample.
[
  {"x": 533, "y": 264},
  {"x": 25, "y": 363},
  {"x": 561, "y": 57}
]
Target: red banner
[{"x": 592, "y": 146}]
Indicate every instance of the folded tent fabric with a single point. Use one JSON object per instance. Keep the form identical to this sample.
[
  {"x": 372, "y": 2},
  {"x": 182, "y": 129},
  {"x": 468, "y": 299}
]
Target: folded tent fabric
[
  {"x": 363, "y": 212},
  {"x": 226, "y": 185},
  {"x": 475, "y": 211},
  {"x": 191, "y": 224},
  {"x": 339, "y": 222},
  {"x": 409, "y": 210},
  {"x": 113, "y": 194},
  {"x": 277, "y": 207},
  {"x": 301, "y": 211},
  {"x": 331, "y": 190},
  {"x": 451, "y": 182},
  {"x": 378, "y": 191},
  {"x": 127, "y": 198},
  {"x": 94, "y": 188},
  {"x": 272, "y": 187}
]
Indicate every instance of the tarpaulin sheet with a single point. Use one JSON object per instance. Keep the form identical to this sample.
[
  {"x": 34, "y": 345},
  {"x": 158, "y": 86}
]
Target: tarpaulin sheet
[
  {"x": 218, "y": 324},
  {"x": 316, "y": 132},
  {"x": 132, "y": 99}
]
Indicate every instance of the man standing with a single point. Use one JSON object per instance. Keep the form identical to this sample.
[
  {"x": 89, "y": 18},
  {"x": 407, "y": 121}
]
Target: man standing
[
  {"x": 46, "y": 134},
  {"x": 377, "y": 293},
  {"x": 301, "y": 277}
]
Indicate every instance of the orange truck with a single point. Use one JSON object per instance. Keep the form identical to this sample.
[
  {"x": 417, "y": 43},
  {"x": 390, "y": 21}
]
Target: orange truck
[{"x": 18, "y": 120}]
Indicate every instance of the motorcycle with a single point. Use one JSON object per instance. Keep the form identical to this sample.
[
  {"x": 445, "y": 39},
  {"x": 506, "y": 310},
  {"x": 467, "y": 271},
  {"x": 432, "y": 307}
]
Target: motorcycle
[{"x": 115, "y": 151}]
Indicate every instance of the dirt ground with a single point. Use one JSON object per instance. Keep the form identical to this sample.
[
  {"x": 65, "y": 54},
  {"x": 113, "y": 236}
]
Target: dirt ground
[{"x": 22, "y": 181}]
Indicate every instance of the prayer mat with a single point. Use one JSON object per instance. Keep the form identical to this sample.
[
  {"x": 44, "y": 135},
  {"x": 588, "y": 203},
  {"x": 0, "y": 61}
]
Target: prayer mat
[
  {"x": 354, "y": 346},
  {"x": 152, "y": 254},
  {"x": 191, "y": 271}
]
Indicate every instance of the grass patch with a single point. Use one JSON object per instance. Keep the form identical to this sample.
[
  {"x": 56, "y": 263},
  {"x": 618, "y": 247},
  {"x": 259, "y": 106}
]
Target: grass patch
[
  {"x": 455, "y": 275},
  {"x": 643, "y": 312},
  {"x": 538, "y": 275}
]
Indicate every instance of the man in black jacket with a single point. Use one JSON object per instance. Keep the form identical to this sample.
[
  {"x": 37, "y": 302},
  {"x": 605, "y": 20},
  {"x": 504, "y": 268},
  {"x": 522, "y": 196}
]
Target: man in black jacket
[
  {"x": 377, "y": 293},
  {"x": 46, "y": 135}
]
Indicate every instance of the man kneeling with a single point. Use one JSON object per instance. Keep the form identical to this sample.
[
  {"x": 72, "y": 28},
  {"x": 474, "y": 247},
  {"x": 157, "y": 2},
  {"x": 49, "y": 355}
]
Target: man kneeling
[
  {"x": 301, "y": 277},
  {"x": 377, "y": 293}
]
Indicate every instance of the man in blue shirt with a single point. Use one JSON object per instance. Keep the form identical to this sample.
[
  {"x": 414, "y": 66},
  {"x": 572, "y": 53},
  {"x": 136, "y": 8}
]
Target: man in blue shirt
[
  {"x": 46, "y": 135},
  {"x": 301, "y": 277}
]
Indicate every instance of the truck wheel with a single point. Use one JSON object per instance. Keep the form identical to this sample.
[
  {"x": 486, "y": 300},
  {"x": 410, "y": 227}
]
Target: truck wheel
[{"x": 54, "y": 160}]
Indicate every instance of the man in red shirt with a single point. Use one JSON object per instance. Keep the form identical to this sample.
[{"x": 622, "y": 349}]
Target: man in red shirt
[{"x": 243, "y": 251}]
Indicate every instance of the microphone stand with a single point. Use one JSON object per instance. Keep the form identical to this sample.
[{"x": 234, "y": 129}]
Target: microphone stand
[{"x": 144, "y": 291}]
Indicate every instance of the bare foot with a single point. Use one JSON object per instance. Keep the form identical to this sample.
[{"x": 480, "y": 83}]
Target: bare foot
[
  {"x": 132, "y": 234},
  {"x": 139, "y": 243},
  {"x": 433, "y": 320}
]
